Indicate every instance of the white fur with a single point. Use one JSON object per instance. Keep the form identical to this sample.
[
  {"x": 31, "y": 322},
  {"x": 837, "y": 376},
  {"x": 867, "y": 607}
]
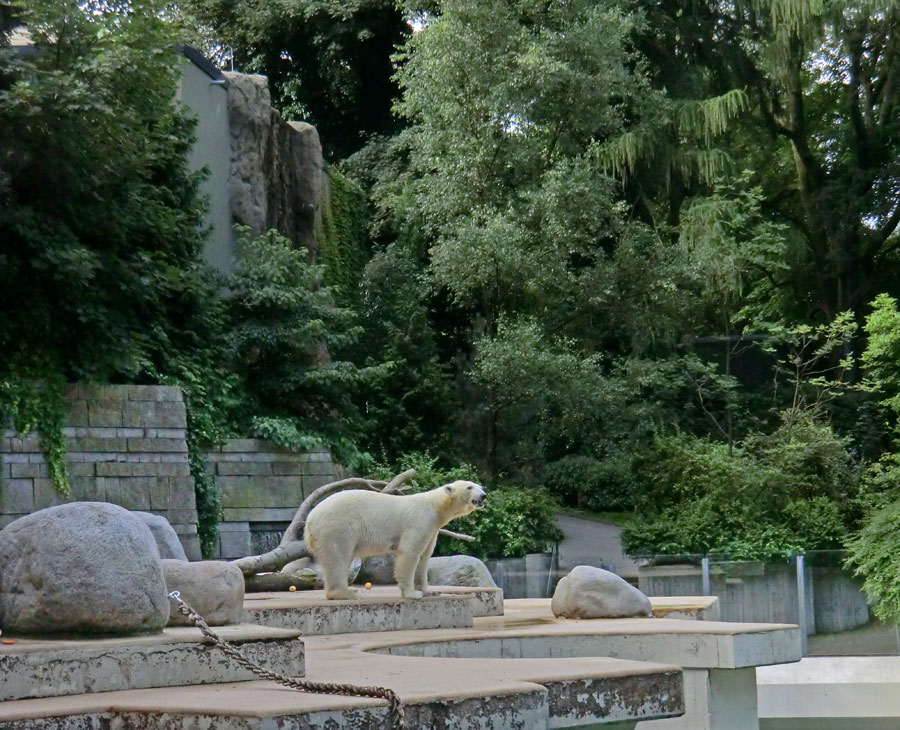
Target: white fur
[{"x": 357, "y": 523}]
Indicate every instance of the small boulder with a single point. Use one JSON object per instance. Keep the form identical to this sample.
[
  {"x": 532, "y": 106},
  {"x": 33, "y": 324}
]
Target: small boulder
[
  {"x": 459, "y": 570},
  {"x": 588, "y": 592},
  {"x": 83, "y": 567},
  {"x": 213, "y": 588},
  {"x": 378, "y": 570},
  {"x": 170, "y": 547},
  {"x": 304, "y": 567}
]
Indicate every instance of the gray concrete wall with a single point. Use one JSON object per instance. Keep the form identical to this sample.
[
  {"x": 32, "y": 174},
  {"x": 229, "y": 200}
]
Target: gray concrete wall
[
  {"x": 262, "y": 486},
  {"x": 125, "y": 445},
  {"x": 751, "y": 591},
  {"x": 208, "y": 103}
]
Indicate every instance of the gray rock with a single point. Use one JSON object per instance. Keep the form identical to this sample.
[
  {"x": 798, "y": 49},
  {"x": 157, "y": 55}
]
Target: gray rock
[
  {"x": 378, "y": 570},
  {"x": 170, "y": 547},
  {"x": 84, "y": 567},
  {"x": 213, "y": 588},
  {"x": 588, "y": 592},
  {"x": 459, "y": 570},
  {"x": 307, "y": 566}
]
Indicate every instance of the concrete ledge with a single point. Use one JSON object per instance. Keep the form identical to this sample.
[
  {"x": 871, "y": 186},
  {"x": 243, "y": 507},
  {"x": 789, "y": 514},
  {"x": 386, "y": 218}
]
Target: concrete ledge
[
  {"x": 378, "y": 609},
  {"x": 687, "y": 608},
  {"x": 33, "y": 668},
  {"x": 485, "y": 601},
  {"x": 831, "y": 693}
]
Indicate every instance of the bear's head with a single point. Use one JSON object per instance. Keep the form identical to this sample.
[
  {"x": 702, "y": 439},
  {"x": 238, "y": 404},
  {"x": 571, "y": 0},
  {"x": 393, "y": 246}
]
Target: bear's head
[{"x": 466, "y": 496}]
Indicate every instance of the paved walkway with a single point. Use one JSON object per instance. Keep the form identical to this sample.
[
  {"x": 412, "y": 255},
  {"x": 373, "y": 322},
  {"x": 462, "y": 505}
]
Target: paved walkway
[{"x": 593, "y": 542}]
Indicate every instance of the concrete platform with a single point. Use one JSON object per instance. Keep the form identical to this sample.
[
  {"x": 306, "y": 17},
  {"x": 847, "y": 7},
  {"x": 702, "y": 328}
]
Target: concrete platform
[
  {"x": 485, "y": 601},
  {"x": 179, "y": 656},
  {"x": 831, "y": 693},
  {"x": 525, "y": 669},
  {"x": 378, "y": 609}
]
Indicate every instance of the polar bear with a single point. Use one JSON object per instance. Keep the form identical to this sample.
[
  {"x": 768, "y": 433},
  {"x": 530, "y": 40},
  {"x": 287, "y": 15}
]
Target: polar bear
[{"x": 357, "y": 523}]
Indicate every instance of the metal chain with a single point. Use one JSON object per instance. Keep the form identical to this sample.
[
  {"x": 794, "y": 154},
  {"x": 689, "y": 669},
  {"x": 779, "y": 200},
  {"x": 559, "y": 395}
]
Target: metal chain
[{"x": 395, "y": 709}]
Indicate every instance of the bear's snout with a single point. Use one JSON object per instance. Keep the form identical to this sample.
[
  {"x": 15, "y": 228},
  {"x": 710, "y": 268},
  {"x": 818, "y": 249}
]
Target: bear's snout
[{"x": 478, "y": 500}]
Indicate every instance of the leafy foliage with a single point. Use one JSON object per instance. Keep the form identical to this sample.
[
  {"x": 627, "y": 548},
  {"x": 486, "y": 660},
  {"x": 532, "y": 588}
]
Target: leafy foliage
[
  {"x": 283, "y": 326},
  {"x": 793, "y": 490}
]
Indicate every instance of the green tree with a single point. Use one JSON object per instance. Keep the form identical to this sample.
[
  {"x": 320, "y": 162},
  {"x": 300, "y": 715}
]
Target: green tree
[
  {"x": 284, "y": 327},
  {"x": 820, "y": 128},
  {"x": 328, "y": 61},
  {"x": 100, "y": 220}
]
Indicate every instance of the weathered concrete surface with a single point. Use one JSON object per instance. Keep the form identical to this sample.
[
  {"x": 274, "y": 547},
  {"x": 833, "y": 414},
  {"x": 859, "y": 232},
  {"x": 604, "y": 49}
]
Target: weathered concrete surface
[
  {"x": 179, "y": 656},
  {"x": 379, "y": 609},
  {"x": 485, "y": 601},
  {"x": 492, "y": 695},
  {"x": 831, "y": 693}
]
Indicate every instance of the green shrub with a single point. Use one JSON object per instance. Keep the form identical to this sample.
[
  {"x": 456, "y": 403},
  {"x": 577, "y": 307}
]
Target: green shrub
[
  {"x": 589, "y": 483},
  {"x": 873, "y": 555},
  {"x": 515, "y": 521},
  {"x": 794, "y": 490}
]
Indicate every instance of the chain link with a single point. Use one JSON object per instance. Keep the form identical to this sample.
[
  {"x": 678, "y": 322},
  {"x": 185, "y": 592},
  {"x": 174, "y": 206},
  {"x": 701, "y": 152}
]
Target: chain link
[{"x": 395, "y": 709}]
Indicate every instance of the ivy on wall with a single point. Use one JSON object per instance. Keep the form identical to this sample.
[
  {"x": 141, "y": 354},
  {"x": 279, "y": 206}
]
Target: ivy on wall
[
  {"x": 342, "y": 236},
  {"x": 39, "y": 405}
]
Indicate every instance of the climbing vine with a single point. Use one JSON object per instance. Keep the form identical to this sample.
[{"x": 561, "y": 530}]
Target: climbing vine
[{"x": 39, "y": 405}]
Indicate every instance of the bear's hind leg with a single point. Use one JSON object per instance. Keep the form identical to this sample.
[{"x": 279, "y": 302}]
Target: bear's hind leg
[{"x": 335, "y": 574}]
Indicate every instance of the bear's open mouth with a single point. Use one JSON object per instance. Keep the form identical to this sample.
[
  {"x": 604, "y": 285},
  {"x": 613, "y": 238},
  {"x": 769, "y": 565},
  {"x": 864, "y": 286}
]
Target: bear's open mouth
[{"x": 478, "y": 502}]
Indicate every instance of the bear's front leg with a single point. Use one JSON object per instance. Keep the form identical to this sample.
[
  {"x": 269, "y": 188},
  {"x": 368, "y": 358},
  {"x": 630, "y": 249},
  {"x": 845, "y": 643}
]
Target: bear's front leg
[
  {"x": 421, "y": 576},
  {"x": 406, "y": 563}
]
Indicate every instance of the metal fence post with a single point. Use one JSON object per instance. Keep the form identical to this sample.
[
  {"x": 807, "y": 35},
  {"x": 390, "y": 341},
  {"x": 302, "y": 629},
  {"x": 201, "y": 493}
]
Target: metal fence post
[
  {"x": 802, "y": 618},
  {"x": 704, "y": 566}
]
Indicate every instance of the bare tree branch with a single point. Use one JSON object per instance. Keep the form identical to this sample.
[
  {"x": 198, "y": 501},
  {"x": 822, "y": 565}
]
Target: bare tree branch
[{"x": 456, "y": 535}]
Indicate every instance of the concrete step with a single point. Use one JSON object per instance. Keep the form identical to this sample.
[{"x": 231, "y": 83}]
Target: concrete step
[
  {"x": 497, "y": 694},
  {"x": 179, "y": 656},
  {"x": 378, "y": 609}
]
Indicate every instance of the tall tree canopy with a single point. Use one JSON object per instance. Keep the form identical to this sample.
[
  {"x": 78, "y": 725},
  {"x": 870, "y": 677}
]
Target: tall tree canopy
[
  {"x": 328, "y": 61},
  {"x": 822, "y": 132}
]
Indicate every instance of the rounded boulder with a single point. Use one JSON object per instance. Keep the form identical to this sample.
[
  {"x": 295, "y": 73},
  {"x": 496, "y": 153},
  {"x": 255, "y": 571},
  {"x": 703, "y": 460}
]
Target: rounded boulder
[
  {"x": 459, "y": 570},
  {"x": 213, "y": 588},
  {"x": 170, "y": 547},
  {"x": 84, "y": 567},
  {"x": 588, "y": 592}
]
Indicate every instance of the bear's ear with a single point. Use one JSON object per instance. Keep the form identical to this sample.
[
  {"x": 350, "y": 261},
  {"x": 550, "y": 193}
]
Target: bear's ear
[{"x": 448, "y": 488}]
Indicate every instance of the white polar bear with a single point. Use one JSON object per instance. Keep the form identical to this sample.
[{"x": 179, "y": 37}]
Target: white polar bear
[{"x": 357, "y": 523}]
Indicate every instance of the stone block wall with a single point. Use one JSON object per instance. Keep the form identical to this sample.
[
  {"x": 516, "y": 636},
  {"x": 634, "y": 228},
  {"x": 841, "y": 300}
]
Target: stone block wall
[
  {"x": 125, "y": 445},
  {"x": 262, "y": 486}
]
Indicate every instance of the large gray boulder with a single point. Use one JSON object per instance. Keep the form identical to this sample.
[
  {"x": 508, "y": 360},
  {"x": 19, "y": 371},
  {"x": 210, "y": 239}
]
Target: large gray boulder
[
  {"x": 378, "y": 570},
  {"x": 170, "y": 547},
  {"x": 84, "y": 567},
  {"x": 588, "y": 592},
  {"x": 213, "y": 588},
  {"x": 305, "y": 567},
  {"x": 459, "y": 570}
]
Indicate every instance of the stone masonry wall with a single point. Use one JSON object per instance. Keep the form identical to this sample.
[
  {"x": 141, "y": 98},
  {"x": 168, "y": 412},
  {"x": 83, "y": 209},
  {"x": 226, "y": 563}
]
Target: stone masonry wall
[
  {"x": 262, "y": 486},
  {"x": 126, "y": 445}
]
